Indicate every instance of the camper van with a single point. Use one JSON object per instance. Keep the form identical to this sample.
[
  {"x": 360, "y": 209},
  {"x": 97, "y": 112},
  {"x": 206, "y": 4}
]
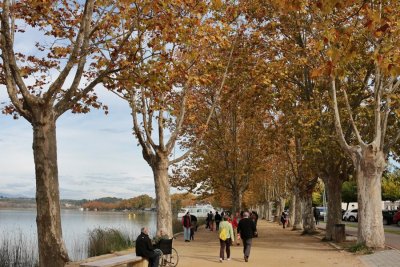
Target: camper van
[{"x": 200, "y": 211}]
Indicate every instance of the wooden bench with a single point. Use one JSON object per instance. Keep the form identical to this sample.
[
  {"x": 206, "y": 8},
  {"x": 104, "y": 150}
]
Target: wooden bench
[{"x": 130, "y": 260}]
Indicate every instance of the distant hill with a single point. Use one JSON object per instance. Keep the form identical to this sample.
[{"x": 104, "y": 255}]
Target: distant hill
[
  {"x": 109, "y": 199},
  {"x": 5, "y": 195},
  {"x": 16, "y": 201}
]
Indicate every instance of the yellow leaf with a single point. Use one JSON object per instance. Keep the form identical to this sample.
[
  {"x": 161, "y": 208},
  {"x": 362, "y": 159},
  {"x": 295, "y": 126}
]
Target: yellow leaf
[{"x": 217, "y": 3}]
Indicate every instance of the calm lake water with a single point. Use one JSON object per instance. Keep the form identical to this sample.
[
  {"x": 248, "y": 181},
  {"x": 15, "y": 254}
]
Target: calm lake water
[{"x": 17, "y": 224}]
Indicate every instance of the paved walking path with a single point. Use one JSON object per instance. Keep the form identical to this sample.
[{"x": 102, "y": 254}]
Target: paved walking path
[
  {"x": 274, "y": 247},
  {"x": 386, "y": 258}
]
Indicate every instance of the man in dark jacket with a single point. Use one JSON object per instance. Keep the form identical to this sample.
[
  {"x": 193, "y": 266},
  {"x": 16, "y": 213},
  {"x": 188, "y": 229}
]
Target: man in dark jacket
[
  {"x": 145, "y": 249},
  {"x": 246, "y": 229},
  {"x": 218, "y": 219}
]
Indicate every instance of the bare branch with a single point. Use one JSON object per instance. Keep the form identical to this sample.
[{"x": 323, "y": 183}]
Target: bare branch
[
  {"x": 338, "y": 125},
  {"x": 161, "y": 129},
  {"x": 377, "y": 105},
  {"x": 145, "y": 146},
  {"x": 147, "y": 123},
  {"x": 9, "y": 56},
  {"x": 81, "y": 38},
  {"x": 353, "y": 124},
  {"x": 179, "y": 122},
  {"x": 389, "y": 144},
  {"x": 387, "y": 107},
  {"x": 396, "y": 86}
]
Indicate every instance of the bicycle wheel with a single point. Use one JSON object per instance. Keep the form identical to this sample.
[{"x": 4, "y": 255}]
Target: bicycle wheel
[{"x": 172, "y": 259}]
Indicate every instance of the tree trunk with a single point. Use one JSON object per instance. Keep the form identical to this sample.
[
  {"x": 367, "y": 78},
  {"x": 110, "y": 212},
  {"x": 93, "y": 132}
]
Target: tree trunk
[
  {"x": 282, "y": 202},
  {"x": 369, "y": 167},
  {"x": 162, "y": 188},
  {"x": 269, "y": 211},
  {"x": 278, "y": 211},
  {"x": 52, "y": 251},
  {"x": 297, "y": 222},
  {"x": 236, "y": 201},
  {"x": 265, "y": 210},
  {"x": 292, "y": 209},
  {"x": 308, "y": 218},
  {"x": 334, "y": 211}
]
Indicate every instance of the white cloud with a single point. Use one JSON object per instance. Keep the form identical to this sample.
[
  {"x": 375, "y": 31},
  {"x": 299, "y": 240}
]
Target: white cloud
[{"x": 97, "y": 154}]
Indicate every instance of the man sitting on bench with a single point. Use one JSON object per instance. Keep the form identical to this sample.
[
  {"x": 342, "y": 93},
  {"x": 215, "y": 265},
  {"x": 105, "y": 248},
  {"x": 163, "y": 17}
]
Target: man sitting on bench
[{"x": 145, "y": 249}]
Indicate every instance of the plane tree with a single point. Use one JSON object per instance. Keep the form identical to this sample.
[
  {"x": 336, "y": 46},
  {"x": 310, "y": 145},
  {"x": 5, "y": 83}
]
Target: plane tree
[
  {"x": 360, "y": 48},
  {"x": 303, "y": 112},
  {"x": 172, "y": 65},
  {"x": 235, "y": 146},
  {"x": 79, "y": 40}
]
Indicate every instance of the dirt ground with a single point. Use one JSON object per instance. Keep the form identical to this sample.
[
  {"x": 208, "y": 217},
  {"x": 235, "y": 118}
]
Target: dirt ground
[{"x": 275, "y": 247}]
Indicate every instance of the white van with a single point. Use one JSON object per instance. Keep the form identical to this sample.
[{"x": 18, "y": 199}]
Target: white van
[{"x": 200, "y": 211}]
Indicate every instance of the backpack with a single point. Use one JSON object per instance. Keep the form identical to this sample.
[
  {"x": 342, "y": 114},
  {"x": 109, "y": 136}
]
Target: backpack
[{"x": 223, "y": 235}]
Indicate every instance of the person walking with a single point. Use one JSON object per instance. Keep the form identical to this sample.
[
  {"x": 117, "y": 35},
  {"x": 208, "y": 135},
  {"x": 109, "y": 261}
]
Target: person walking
[
  {"x": 212, "y": 219},
  {"x": 145, "y": 249},
  {"x": 187, "y": 224},
  {"x": 193, "y": 227},
  {"x": 246, "y": 229},
  {"x": 226, "y": 237},
  {"x": 218, "y": 219},
  {"x": 254, "y": 217},
  {"x": 283, "y": 219},
  {"x": 208, "y": 219},
  {"x": 316, "y": 215},
  {"x": 235, "y": 223}
]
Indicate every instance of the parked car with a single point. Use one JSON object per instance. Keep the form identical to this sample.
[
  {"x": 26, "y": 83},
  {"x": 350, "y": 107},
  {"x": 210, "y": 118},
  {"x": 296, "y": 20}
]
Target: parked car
[
  {"x": 388, "y": 216},
  {"x": 351, "y": 215},
  {"x": 322, "y": 212},
  {"x": 396, "y": 218}
]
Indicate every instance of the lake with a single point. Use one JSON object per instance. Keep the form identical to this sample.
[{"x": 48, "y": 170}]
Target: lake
[{"x": 17, "y": 224}]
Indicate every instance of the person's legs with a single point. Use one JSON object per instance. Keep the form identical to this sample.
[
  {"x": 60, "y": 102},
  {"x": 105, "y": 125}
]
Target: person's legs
[
  {"x": 154, "y": 260},
  {"x": 228, "y": 248},
  {"x": 247, "y": 249},
  {"x": 244, "y": 247},
  {"x": 191, "y": 233},
  {"x": 186, "y": 233},
  {"x": 235, "y": 233},
  {"x": 221, "y": 249}
]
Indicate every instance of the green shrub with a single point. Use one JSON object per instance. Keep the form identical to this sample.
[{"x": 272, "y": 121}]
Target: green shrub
[
  {"x": 104, "y": 241},
  {"x": 360, "y": 249}
]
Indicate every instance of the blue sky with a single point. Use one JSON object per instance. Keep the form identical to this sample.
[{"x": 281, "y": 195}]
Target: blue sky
[{"x": 97, "y": 154}]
